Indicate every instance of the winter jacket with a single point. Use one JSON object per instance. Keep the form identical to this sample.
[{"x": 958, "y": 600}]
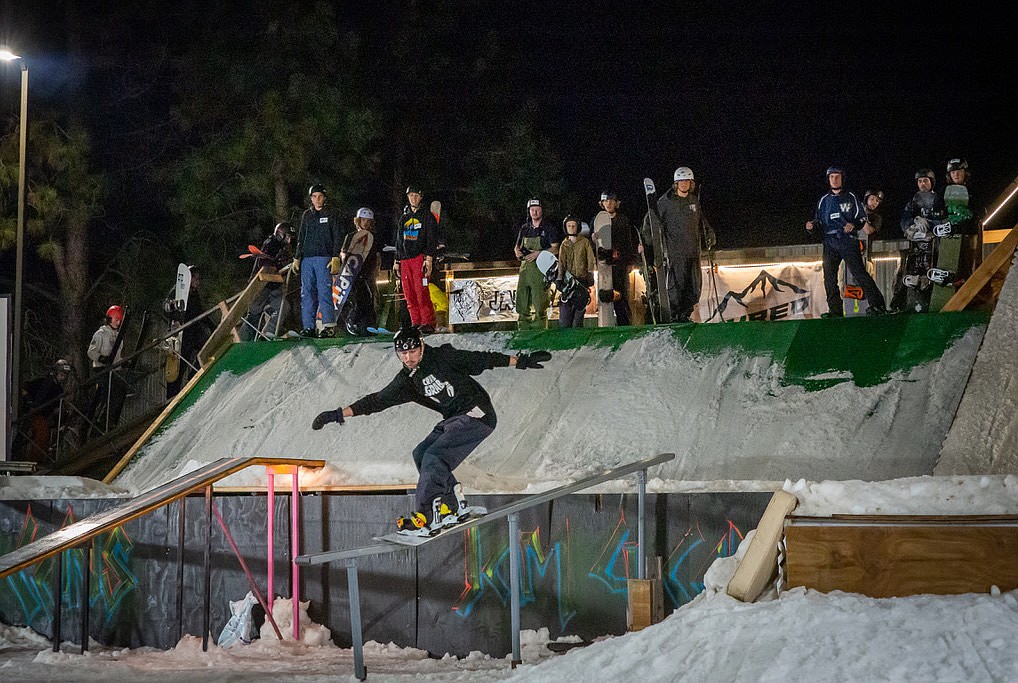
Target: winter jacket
[
  {"x": 624, "y": 240},
  {"x": 441, "y": 382},
  {"x": 319, "y": 234},
  {"x": 416, "y": 233},
  {"x": 102, "y": 345},
  {"x": 532, "y": 237},
  {"x": 834, "y": 211},
  {"x": 684, "y": 225},
  {"x": 577, "y": 259},
  {"x": 928, "y": 205}
]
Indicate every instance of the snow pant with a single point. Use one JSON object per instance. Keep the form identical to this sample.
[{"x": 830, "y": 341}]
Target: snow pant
[
  {"x": 847, "y": 250},
  {"x": 570, "y": 314},
  {"x": 620, "y": 283},
  {"x": 358, "y": 312},
  {"x": 448, "y": 445},
  {"x": 531, "y": 292},
  {"x": 260, "y": 321},
  {"x": 316, "y": 292},
  {"x": 418, "y": 299},
  {"x": 684, "y": 283}
]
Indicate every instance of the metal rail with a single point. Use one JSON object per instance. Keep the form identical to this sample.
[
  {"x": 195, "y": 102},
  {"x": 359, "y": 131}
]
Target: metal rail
[{"x": 512, "y": 511}]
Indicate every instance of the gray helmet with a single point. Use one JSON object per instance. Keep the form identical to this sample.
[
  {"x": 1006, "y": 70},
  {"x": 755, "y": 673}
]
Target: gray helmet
[
  {"x": 957, "y": 165},
  {"x": 926, "y": 173},
  {"x": 407, "y": 338},
  {"x": 683, "y": 173}
]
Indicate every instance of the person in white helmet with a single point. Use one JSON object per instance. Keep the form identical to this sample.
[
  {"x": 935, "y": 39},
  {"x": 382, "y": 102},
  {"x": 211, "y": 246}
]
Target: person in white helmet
[
  {"x": 687, "y": 232},
  {"x": 358, "y": 314}
]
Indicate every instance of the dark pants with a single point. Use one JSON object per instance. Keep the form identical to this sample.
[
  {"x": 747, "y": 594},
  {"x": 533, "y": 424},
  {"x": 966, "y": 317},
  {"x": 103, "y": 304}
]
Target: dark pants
[
  {"x": 847, "y": 250},
  {"x": 358, "y": 312},
  {"x": 684, "y": 283},
  {"x": 570, "y": 314},
  {"x": 448, "y": 444},
  {"x": 620, "y": 283}
]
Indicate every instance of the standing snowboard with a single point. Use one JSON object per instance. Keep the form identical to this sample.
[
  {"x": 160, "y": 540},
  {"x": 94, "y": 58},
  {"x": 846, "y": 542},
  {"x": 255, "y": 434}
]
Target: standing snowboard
[
  {"x": 605, "y": 289},
  {"x": 944, "y": 273},
  {"x": 356, "y": 252},
  {"x": 176, "y": 310},
  {"x": 652, "y": 223},
  {"x": 852, "y": 296}
]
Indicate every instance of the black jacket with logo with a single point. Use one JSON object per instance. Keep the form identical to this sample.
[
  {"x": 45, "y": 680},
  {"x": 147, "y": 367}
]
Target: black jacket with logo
[
  {"x": 441, "y": 382},
  {"x": 319, "y": 234}
]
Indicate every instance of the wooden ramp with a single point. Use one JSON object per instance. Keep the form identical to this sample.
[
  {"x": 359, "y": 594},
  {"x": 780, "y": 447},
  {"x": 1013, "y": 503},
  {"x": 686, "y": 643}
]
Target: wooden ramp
[{"x": 897, "y": 556}]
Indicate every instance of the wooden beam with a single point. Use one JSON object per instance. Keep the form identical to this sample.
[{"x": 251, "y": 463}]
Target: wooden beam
[
  {"x": 894, "y": 561},
  {"x": 224, "y": 335},
  {"x": 999, "y": 258}
]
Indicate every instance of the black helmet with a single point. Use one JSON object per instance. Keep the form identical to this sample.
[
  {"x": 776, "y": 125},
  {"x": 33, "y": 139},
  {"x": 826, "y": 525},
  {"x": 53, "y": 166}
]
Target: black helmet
[
  {"x": 926, "y": 173},
  {"x": 413, "y": 187},
  {"x": 407, "y": 338},
  {"x": 317, "y": 187},
  {"x": 879, "y": 194},
  {"x": 835, "y": 169},
  {"x": 957, "y": 165},
  {"x": 574, "y": 219},
  {"x": 61, "y": 365}
]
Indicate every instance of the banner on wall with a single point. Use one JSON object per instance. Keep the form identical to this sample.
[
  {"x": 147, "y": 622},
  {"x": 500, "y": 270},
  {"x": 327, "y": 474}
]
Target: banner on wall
[
  {"x": 483, "y": 300},
  {"x": 773, "y": 292}
]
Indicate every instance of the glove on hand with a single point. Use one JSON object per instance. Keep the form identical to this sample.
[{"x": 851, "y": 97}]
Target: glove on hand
[
  {"x": 334, "y": 265},
  {"x": 105, "y": 360},
  {"x": 527, "y": 361},
  {"x": 326, "y": 417},
  {"x": 296, "y": 265},
  {"x": 560, "y": 286}
]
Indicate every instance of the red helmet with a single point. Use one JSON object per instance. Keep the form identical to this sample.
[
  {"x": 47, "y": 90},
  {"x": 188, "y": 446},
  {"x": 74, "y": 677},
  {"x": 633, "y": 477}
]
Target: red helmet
[{"x": 115, "y": 313}]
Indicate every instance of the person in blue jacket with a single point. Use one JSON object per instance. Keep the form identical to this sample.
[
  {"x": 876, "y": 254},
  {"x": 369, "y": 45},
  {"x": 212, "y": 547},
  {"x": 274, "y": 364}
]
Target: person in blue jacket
[{"x": 841, "y": 217}]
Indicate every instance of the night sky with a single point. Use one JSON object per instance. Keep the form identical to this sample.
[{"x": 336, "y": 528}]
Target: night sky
[{"x": 757, "y": 101}]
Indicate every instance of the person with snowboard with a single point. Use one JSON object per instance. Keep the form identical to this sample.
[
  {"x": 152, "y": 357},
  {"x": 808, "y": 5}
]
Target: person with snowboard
[
  {"x": 275, "y": 252},
  {"x": 968, "y": 221},
  {"x": 576, "y": 265},
  {"x": 439, "y": 378},
  {"x": 317, "y": 260},
  {"x": 687, "y": 231},
  {"x": 358, "y": 313},
  {"x": 535, "y": 235},
  {"x": 623, "y": 254},
  {"x": 840, "y": 215},
  {"x": 194, "y": 337},
  {"x": 104, "y": 350},
  {"x": 921, "y": 212},
  {"x": 416, "y": 239}
]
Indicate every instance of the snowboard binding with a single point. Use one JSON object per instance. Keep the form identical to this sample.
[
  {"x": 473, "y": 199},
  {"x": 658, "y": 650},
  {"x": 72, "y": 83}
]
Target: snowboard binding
[{"x": 941, "y": 276}]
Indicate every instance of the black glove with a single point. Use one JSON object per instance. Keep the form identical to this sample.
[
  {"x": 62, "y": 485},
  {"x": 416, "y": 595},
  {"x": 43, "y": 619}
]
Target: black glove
[
  {"x": 560, "y": 285},
  {"x": 527, "y": 361},
  {"x": 326, "y": 417},
  {"x": 104, "y": 360}
]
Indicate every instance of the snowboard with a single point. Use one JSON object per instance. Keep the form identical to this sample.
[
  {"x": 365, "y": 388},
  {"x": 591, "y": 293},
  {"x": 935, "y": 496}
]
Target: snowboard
[
  {"x": 181, "y": 290},
  {"x": 852, "y": 296},
  {"x": 476, "y": 512},
  {"x": 660, "y": 246},
  {"x": 605, "y": 288},
  {"x": 436, "y": 210},
  {"x": 947, "y": 257},
  {"x": 356, "y": 252}
]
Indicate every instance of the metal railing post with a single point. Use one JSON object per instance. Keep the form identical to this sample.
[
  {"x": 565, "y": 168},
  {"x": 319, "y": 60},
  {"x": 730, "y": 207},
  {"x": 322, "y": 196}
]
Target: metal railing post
[
  {"x": 514, "y": 587},
  {"x": 271, "y": 537},
  {"x": 355, "y": 620},
  {"x": 58, "y": 599},
  {"x": 86, "y": 569},
  {"x": 207, "y": 595},
  {"x": 181, "y": 520},
  {"x": 641, "y": 568},
  {"x": 294, "y": 552}
]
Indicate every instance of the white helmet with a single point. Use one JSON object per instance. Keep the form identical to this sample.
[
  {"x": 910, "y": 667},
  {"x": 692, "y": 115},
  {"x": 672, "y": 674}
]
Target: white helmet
[{"x": 683, "y": 173}]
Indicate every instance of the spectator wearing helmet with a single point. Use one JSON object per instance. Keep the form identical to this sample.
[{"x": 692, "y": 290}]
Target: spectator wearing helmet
[
  {"x": 317, "y": 260},
  {"x": 841, "y": 216},
  {"x": 416, "y": 242},
  {"x": 440, "y": 379},
  {"x": 110, "y": 389},
  {"x": 686, "y": 232},
  {"x": 535, "y": 235},
  {"x": 625, "y": 243},
  {"x": 969, "y": 225},
  {"x": 263, "y": 315},
  {"x": 40, "y": 406},
  {"x": 358, "y": 312},
  {"x": 576, "y": 264},
  {"x": 921, "y": 212}
]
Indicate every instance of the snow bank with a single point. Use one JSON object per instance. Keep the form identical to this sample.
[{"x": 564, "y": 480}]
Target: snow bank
[
  {"x": 56, "y": 487},
  {"x": 726, "y": 416}
]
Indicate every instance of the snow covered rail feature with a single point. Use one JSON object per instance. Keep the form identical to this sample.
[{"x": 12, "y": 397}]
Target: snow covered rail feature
[{"x": 350, "y": 555}]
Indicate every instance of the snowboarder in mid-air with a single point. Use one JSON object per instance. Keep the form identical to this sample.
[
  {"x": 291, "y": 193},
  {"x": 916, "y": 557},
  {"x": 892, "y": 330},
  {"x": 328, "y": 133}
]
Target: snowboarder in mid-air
[{"x": 438, "y": 378}]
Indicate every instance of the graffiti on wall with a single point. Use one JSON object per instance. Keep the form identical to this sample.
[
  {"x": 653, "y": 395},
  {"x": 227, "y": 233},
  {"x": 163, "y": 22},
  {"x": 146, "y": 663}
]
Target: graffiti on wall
[{"x": 28, "y": 597}]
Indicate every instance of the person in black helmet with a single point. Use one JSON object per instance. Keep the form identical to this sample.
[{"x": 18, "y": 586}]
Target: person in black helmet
[
  {"x": 317, "y": 260},
  {"x": 440, "y": 379},
  {"x": 840, "y": 215},
  {"x": 625, "y": 244},
  {"x": 276, "y": 252},
  {"x": 416, "y": 241},
  {"x": 925, "y": 208}
]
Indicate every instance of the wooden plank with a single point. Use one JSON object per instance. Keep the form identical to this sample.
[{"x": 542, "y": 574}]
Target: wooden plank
[
  {"x": 884, "y": 562},
  {"x": 223, "y": 335},
  {"x": 639, "y": 609},
  {"x": 93, "y": 525},
  {"x": 902, "y": 520},
  {"x": 999, "y": 258},
  {"x": 760, "y": 563},
  {"x": 122, "y": 463}
]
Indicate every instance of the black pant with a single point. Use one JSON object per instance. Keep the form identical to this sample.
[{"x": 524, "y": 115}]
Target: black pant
[
  {"x": 620, "y": 283},
  {"x": 448, "y": 444},
  {"x": 847, "y": 250},
  {"x": 684, "y": 282}
]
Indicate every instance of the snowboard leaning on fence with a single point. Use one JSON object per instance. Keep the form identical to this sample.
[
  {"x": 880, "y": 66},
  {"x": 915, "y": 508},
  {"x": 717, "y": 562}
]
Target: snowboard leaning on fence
[
  {"x": 660, "y": 247},
  {"x": 605, "y": 288},
  {"x": 180, "y": 293},
  {"x": 947, "y": 259},
  {"x": 356, "y": 252}
]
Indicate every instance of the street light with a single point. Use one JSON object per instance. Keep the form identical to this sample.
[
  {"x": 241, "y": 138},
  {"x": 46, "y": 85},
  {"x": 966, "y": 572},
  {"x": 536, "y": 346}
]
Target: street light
[{"x": 8, "y": 56}]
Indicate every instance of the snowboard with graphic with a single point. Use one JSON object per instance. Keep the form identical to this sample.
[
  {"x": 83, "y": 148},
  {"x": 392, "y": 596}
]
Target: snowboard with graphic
[
  {"x": 949, "y": 239},
  {"x": 356, "y": 252},
  {"x": 852, "y": 296},
  {"x": 658, "y": 285},
  {"x": 178, "y": 305},
  {"x": 605, "y": 288}
]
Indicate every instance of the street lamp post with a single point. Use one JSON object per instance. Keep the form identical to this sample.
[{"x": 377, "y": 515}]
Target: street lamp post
[{"x": 7, "y": 56}]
